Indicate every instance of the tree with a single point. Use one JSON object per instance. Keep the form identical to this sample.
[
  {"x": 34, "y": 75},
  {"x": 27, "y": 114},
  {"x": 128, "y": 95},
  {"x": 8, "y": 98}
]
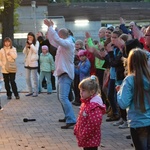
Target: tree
[
  {"x": 70, "y": 1},
  {"x": 7, "y": 17},
  {"x": 8, "y": 20}
]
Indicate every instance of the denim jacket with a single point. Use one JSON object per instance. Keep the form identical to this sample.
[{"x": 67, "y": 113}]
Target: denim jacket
[{"x": 125, "y": 95}]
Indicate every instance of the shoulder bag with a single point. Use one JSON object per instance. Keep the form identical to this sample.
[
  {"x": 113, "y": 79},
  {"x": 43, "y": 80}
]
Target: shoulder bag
[{"x": 10, "y": 67}]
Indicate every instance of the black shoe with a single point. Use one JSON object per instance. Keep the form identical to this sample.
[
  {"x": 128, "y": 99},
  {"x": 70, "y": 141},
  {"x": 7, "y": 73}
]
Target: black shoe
[
  {"x": 128, "y": 137},
  {"x": 1, "y": 108},
  {"x": 29, "y": 94},
  {"x": 113, "y": 118},
  {"x": 8, "y": 97},
  {"x": 68, "y": 125},
  {"x": 62, "y": 120},
  {"x": 17, "y": 97},
  {"x": 76, "y": 103}
]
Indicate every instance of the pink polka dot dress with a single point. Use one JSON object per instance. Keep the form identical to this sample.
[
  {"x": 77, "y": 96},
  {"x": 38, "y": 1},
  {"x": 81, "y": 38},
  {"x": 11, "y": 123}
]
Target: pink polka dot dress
[{"x": 88, "y": 127}]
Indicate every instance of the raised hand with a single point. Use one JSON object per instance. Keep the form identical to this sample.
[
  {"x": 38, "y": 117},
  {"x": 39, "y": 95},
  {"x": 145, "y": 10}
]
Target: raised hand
[
  {"x": 48, "y": 22},
  {"x": 87, "y": 35},
  {"x": 137, "y": 33},
  {"x": 122, "y": 21}
]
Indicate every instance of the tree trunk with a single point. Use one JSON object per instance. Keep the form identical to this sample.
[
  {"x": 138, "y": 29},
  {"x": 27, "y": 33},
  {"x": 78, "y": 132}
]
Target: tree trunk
[{"x": 8, "y": 21}]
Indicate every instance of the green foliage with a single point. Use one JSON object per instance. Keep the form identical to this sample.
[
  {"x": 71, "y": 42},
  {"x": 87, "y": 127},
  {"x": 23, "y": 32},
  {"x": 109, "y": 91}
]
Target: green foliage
[
  {"x": 68, "y": 2},
  {"x": 17, "y": 2},
  {"x": 16, "y": 22},
  {"x": 16, "y": 16}
]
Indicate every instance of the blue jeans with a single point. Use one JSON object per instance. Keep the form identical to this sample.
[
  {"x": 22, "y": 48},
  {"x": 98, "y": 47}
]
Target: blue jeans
[
  {"x": 64, "y": 84},
  {"x": 141, "y": 137},
  {"x": 47, "y": 75},
  {"x": 33, "y": 73}
]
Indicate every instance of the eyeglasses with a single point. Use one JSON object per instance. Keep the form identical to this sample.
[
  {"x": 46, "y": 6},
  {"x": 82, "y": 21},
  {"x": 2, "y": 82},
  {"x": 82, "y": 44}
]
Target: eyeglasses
[{"x": 146, "y": 35}]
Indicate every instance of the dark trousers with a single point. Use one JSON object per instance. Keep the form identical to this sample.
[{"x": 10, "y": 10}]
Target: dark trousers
[
  {"x": 112, "y": 96},
  {"x": 90, "y": 148},
  {"x": 71, "y": 93},
  {"x": 53, "y": 81},
  {"x": 100, "y": 74},
  {"x": 141, "y": 138},
  {"x": 123, "y": 114},
  {"x": 76, "y": 82},
  {"x": 9, "y": 81}
]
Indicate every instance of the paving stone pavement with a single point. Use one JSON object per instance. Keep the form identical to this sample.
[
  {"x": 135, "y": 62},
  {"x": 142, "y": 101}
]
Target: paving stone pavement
[{"x": 45, "y": 133}]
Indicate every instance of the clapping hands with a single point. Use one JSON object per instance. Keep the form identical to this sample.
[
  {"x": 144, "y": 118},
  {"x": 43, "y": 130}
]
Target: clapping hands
[{"x": 48, "y": 22}]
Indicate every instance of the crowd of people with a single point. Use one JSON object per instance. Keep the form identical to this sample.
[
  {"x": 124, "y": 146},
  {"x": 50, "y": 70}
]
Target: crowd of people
[{"x": 107, "y": 75}]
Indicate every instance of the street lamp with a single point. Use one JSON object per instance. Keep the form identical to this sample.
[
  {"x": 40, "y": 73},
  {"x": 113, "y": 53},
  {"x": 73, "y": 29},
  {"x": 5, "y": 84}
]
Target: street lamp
[{"x": 33, "y": 5}]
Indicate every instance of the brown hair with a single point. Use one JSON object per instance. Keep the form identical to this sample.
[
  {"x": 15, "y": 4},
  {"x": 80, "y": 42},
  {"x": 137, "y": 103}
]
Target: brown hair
[
  {"x": 124, "y": 37},
  {"x": 34, "y": 39},
  {"x": 9, "y": 40},
  {"x": 118, "y": 33},
  {"x": 138, "y": 66}
]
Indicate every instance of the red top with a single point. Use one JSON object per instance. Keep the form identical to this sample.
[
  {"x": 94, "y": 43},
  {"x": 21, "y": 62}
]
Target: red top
[
  {"x": 142, "y": 40},
  {"x": 88, "y": 126},
  {"x": 91, "y": 58}
]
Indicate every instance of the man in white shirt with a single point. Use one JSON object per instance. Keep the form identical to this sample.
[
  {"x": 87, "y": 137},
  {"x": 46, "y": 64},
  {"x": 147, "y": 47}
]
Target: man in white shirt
[{"x": 64, "y": 69}]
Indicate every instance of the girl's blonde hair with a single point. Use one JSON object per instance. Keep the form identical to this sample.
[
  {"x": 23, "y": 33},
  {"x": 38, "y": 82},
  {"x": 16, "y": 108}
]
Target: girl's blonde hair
[{"x": 90, "y": 84}]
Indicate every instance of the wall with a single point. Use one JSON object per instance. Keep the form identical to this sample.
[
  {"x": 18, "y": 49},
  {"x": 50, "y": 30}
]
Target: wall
[
  {"x": 79, "y": 31},
  {"x": 26, "y": 19}
]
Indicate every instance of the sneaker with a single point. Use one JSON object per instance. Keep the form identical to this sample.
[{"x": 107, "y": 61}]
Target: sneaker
[
  {"x": 113, "y": 118},
  {"x": 120, "y": 122},
  {"x": 35, "y": 94},
  {"x": 124, "y": 125}
]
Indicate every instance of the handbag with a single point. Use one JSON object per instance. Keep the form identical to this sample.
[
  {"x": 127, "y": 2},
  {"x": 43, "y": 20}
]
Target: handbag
[{"x": 10, "y": 66}]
